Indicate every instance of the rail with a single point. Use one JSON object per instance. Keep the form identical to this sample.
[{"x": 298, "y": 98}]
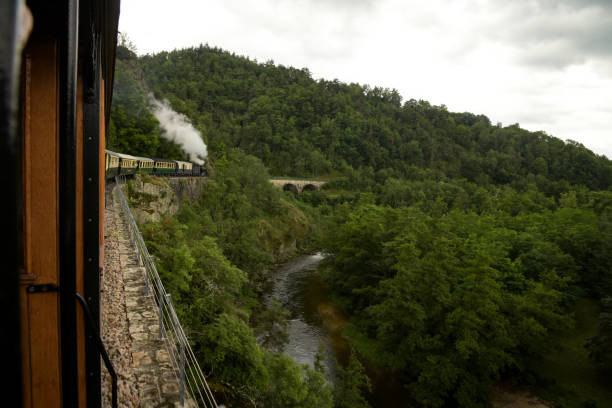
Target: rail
[{"x": 188, "y": 372}]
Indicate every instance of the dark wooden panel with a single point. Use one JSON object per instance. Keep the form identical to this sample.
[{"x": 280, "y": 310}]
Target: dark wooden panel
[{"x": 40, "y": 312}]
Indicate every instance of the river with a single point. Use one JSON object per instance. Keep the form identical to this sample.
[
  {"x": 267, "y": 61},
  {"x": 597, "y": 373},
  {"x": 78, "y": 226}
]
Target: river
[{"x": 297, "y": 286}]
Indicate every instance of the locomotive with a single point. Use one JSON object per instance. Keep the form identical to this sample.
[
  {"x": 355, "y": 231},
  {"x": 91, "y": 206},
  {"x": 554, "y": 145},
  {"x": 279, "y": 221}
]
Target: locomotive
[{"x": 119, "y": 164}]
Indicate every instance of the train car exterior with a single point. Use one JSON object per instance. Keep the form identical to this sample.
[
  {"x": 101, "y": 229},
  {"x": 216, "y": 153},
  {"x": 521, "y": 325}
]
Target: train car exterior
[
  {"x": 164, "y": 167},
  {"x": 56, "y": 80},
  {"x": 179, "y": 167},
  {"x": 127, "y": 164},
  {"x": 185, "y": 168},
  {"x": 56, "y": 83},
  {"x": 145, "y": 165},
  {"x": 111, "y": 164}
]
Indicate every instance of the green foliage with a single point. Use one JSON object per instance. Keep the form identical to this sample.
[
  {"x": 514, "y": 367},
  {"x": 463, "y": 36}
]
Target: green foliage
[
  {"x": 352, "y": 384},
  {"x": 252, "y": 219},
  {"x": 271, "y": 325},
  {"x": 212, "y": 256},
  {"x": 600, "y": 346},
  {"x": 454, "y": 302},
  {"x": 229, "y": 348},
  {"x": 567, "y": 377},
  {"x": 294, "y": 386}
]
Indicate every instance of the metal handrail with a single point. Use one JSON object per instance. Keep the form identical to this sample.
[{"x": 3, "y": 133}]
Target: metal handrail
[
  {"x": 101, "y": 349},
  {"x": 186, "y": 367}
]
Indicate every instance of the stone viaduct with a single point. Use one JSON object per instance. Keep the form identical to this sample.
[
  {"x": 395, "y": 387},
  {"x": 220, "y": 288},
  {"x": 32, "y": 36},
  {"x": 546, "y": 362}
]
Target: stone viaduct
[{"x": 296, "y": 185}]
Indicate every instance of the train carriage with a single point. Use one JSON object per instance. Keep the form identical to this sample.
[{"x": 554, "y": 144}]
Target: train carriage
[
  {"x": 179, "y": 167},
  {"x": 127, "y": 164},
  {"x": 111, "y": 164},
  {"x": 164, "y": 167},
  {"x": 145, "y": 165},
  {"x": 184, "y": 168}
]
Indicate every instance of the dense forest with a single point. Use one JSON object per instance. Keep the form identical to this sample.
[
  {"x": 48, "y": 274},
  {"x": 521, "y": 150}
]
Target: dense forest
[{"x": 463, "y": 251}]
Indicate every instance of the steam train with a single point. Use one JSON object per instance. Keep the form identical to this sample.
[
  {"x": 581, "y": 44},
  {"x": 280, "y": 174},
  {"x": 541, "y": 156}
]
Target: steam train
[{"x": 119, "y": 164}]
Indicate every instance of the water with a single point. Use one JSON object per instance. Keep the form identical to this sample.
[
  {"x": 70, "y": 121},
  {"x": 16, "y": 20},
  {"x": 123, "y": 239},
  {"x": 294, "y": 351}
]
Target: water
[{"x": 297, "y": 286}]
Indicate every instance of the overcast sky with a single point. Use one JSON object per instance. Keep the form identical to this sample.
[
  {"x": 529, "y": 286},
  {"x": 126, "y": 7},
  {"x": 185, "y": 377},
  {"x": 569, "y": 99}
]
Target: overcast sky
[{"x": 545, "y": 64}]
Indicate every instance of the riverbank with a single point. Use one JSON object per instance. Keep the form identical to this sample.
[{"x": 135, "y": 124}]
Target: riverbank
[{"x": 314, "y": 320}]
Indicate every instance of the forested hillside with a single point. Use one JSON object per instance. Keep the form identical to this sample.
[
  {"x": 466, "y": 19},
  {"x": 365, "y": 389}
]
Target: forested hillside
[
  {"x": 297, "y": 125},
  {"x": 462, "y": 250}
]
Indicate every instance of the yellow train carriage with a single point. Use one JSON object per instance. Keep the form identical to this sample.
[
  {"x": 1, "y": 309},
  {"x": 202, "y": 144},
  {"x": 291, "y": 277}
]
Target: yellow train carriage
[
  {"x": 111, "y": 164},
  {"x": 127, "y": 164}
]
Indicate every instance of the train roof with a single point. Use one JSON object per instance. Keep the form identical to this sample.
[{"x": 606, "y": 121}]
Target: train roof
[
  {"x": 157, "y": 159},
  {"x": 127, "y": 156},
  {"x": 143, "y": 158}
]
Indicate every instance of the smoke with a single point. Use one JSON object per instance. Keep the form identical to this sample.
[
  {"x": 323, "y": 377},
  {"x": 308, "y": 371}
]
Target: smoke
[{"x": 177, "y": 128}]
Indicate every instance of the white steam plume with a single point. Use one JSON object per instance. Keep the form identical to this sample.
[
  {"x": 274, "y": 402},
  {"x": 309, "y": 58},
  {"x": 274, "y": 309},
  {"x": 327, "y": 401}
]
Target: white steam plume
[{"x": 177, "y": 128}]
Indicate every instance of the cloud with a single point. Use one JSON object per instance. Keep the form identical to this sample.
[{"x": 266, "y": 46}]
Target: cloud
[
  {"x": 554, "y": 34},
  {"x": 344, "y": 4},
  {"x": 309, "y": 28}
]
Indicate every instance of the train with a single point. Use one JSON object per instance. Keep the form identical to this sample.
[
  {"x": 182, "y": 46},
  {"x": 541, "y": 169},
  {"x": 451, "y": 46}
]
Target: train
[{"x": 120, "y": 164}]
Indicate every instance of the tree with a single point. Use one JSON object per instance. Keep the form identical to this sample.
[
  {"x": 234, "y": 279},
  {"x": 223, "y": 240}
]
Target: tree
[
  {"x": 352, "y": 383},
  {"x": 294, "y": 386},
  {"x": 600, "y": 346}
]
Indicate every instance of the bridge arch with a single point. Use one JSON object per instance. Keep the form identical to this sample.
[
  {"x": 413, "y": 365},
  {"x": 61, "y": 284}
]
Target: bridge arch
[
  {"x": 296, "y": 185},
  {"x": 309, "y": 187},
  {"x": 291, "y": 187}
]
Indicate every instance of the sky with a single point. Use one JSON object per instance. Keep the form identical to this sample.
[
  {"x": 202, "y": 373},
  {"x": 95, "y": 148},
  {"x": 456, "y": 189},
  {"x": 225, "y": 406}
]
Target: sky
[{"x": 544, "y": 64}]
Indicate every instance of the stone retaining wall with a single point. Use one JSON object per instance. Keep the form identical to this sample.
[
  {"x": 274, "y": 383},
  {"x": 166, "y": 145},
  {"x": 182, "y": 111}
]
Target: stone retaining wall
[{"x": 129, "y": 326}]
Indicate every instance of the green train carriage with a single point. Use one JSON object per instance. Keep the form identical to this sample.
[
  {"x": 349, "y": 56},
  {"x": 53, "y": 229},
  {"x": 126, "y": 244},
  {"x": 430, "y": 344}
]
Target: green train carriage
[{"x": 165, "y": 167}]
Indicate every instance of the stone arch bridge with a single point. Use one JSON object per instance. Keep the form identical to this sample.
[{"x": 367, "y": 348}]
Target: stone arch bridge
[{"x": 296, "y": 185}]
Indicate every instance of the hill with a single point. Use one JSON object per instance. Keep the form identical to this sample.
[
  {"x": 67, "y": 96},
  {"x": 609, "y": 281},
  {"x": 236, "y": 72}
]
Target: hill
[{"x": 300, "y": 126}]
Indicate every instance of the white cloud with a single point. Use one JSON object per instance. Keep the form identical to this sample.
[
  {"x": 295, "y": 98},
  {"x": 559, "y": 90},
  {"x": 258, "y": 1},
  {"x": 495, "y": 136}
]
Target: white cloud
[{"x": 544, "y": 64}]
